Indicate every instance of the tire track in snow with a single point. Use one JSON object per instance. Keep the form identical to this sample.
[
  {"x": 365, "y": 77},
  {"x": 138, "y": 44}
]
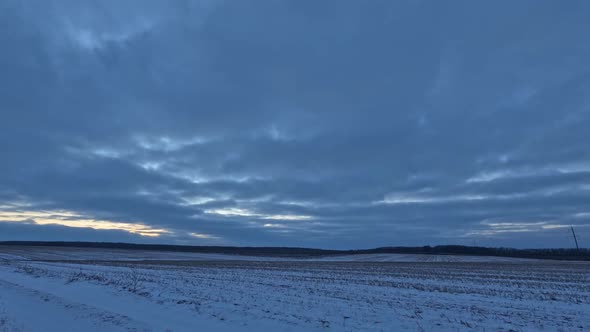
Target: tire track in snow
[{"x": 34, "y": 310}]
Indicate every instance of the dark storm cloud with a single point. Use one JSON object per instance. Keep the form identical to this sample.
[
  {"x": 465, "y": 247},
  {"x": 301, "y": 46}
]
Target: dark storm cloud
[{"x": 332, "y": 124}]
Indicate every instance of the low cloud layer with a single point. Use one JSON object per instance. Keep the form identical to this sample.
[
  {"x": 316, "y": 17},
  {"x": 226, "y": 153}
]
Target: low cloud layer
[{"x": 330, "y": 124}]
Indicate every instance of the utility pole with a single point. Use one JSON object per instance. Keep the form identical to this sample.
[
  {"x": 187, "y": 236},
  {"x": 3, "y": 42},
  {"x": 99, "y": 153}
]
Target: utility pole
[{"x": 575, "y": 238}]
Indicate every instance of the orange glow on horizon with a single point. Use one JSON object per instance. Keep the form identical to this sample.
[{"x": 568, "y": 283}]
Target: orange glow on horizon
[{"x": 71, "y": 219}]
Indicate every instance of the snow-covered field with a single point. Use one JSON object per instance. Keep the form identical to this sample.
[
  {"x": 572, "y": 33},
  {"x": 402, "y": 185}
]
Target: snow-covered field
[
  {"x": 226, "y": 293},
  {"x": 77, "y": 254}
]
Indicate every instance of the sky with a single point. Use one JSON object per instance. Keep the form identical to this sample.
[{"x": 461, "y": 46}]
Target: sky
[{"x": 329, "y": 124}]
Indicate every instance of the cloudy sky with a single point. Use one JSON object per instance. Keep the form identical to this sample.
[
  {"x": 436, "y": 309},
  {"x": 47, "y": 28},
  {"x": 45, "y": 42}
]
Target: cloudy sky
[{"x": 334, "y": 124}]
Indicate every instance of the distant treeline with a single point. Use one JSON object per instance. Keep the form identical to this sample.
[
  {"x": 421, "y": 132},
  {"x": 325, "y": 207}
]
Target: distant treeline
[
  {"x": 553, "y": 253},
  {"x": 560, "y": 254}
]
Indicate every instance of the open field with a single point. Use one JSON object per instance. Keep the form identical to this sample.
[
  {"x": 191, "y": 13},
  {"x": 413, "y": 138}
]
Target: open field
[
  {"x": 93, "y": 254},
  {"x": 94, "y": 290}
]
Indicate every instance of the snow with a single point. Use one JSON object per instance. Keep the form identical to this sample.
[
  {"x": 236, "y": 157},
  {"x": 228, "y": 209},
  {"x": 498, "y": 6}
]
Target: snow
[
  {"x": 49, "y": 305},
  {"x": 421, "y": 258},
  {"x": 72, "y": 254},
  {"x": 372, "y": 293}
]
